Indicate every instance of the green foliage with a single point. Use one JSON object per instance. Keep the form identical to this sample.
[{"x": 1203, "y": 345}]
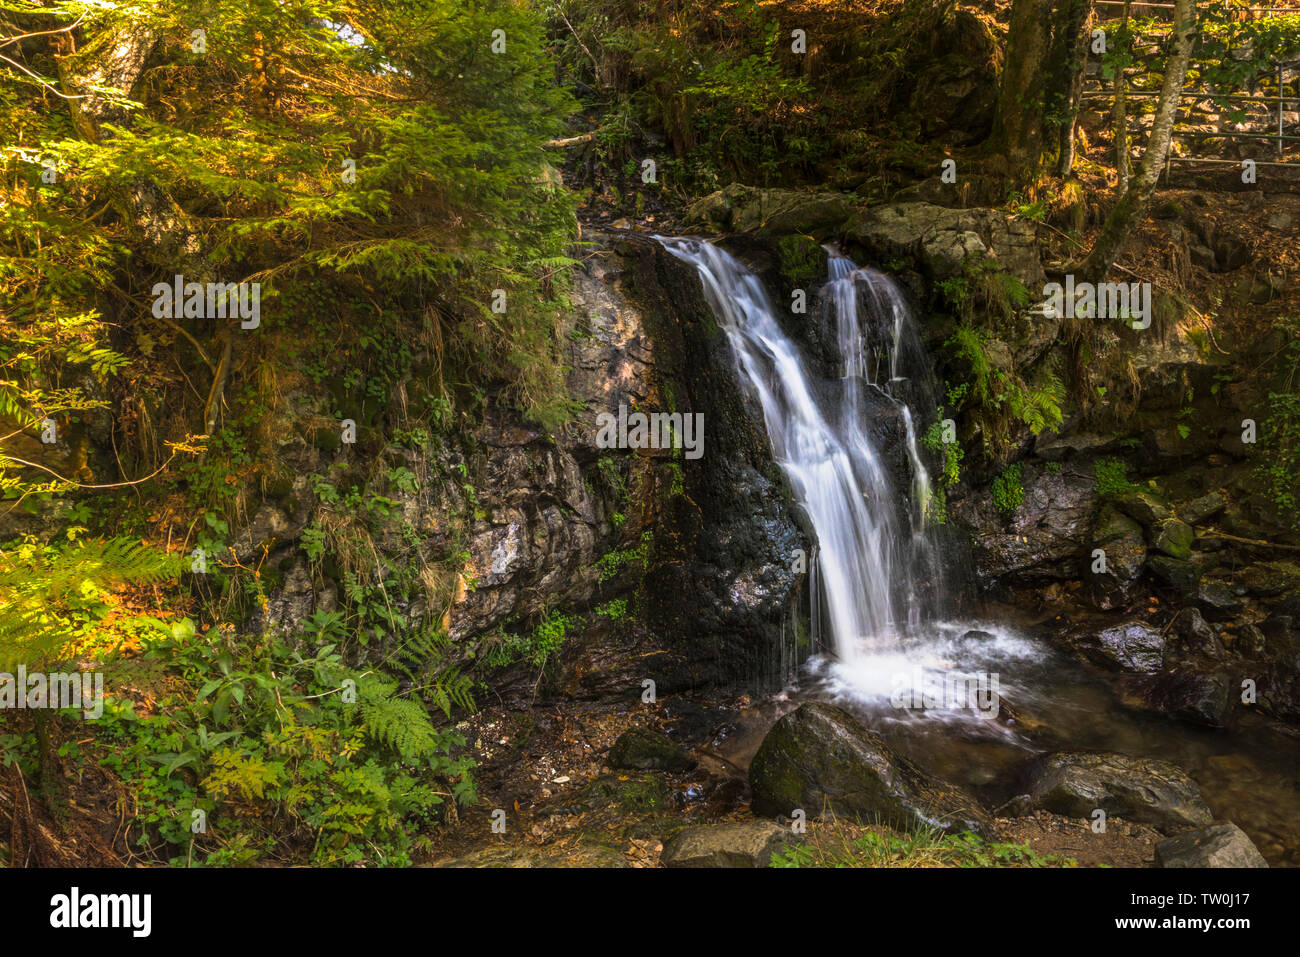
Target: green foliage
[
  {"x": 638, "y": 556},
  {"x": 315, "y": 760},
  {"x": 996, "y": 397},
  {"x": 233, "y": 163},
  {"x": 1007, "y": 490},
  {"x": 1279, "y": 431},
  {"x": 614, "y": 610},
  {"x": 925, "y": 848},
  {"x": 936, "y": 509},
  {"x": 536, "y": 647},
  {"x": 1111, "y": 477},
  {"x": 53, "y": 594},
  {"x": 734, "y": 109}
]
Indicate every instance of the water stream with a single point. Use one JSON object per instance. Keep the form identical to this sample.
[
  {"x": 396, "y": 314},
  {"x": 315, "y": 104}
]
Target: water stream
[{"x": 848, "y": 443}]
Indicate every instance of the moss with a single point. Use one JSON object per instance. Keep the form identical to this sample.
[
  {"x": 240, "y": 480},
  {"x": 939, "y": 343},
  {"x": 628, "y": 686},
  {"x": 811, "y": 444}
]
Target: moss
[
  {"x": 1008, "y": 492},
  {"x": 801, "y": 259},
  {"x": 328, "y": 438}
]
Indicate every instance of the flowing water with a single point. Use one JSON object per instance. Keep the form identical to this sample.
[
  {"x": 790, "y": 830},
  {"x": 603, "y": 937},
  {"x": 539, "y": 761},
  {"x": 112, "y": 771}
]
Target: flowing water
[{"x": 847, "y": 441}]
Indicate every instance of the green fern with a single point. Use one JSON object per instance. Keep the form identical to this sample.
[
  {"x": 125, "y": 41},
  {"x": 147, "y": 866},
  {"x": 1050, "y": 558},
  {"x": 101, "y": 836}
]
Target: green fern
[
  {"x": 398, "y": 723},
  {"x": 40, "y": 583}
]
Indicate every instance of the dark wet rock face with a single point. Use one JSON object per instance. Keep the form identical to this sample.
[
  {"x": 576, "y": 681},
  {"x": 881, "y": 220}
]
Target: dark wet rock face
[
  {"x": 1220, "y": 845},
  {"x": 1204, "y": 699},
  {"x": 1129, "y": 646},
  {"x": 1113, "y": 575},
  {"x": 644, "y": 750},
  {"x": 722, "y": 578},
  {"x": 1136, "y": 789},
  {"x": 1044, "y": 540},
  {"x": 743, "y": 844},
  {"x": 821, "y": 757}
]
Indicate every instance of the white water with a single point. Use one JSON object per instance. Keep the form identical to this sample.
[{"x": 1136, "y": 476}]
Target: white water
[{"x": 869, "y": 533}]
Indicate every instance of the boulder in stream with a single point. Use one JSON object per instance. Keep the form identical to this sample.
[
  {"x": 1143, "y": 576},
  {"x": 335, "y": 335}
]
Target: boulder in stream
[
  {"x": 1129, "y": 646},
  {"x": 1142, "y": 790},
  {"x": 1219, "y": 845},
  {"x": 820, "y": 757}
]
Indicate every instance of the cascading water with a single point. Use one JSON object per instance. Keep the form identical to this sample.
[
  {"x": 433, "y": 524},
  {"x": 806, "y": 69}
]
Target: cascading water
[
  {"x": 846, "y": 439},
  {"x": 830, "y": 438}
]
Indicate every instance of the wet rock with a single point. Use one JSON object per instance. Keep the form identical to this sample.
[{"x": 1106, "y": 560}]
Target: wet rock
[
  {"x": 821, "y": 757},
  {"x": 1194, "y": 636},
  {"x": 1129, "y": 646},
  {"x": 1198, "y": 510},
  {"x": 1143, "y": 506},
  {"x": 1173, "y": 538},
  {"x": 1143, "y": 790},
  {"x": 1049, "y": 531},
  {"x": 1204, "y": 699},
  {"x": 644, "y": 750},
  {"x": 1179, "y": 575},
  {"x": 1219, "y": 845},
  {"x": 1121, "y": 538},
  {"x": 1219, "y": 599},
  {"x": 744, "y": 844}
]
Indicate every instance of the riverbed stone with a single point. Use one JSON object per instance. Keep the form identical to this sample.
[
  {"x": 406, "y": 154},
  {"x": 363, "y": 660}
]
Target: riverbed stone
[
  {"x": 1203, "y": 699},
  {"x": 642, "y": 749},
  {"x": 1198, "y": 510},
  {"x": 1143, "y": 505},
  {"x": 820, "y": 757},
  {"x": 1218, "y": 598},
  {"x": 1219, "y": 845},
  {"x": 1143, "y": 790},
  {"x": 1128, "y": 646},
  {"x": 1178, "y": 574},
  {"x": 1193, "y": 636},
  {"x": 1173, "y": 538},
  {"x": 741, "y": 844},
  {"x": 1271, "y": 578}
]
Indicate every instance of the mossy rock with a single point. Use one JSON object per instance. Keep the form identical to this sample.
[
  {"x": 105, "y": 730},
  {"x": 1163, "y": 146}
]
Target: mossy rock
[
  {"x": 645, "y": 750},
  {"x": 1180, "y": 575},
  {"x": 328, "y": 438},
  {"x": 1173, "y": 537},
  {"x": 1143, "y": 505},
  {"x": 821, "y": 757},
  {"x": 1199, "y": 509},
  {"x": 641, "y": 792}
]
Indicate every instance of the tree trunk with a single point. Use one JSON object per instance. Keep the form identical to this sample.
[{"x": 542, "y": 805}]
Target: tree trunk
[
  {"x": 1133, "y": 204},
  {"x": 1120, "y": 124},
  {"x": 1076, "y": 21},
  {"x": 1018, "y": 121}
]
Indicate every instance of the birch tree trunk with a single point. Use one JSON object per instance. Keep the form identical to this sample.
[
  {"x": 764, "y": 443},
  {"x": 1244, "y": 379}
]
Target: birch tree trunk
[{"x": 1136, "y": 199}]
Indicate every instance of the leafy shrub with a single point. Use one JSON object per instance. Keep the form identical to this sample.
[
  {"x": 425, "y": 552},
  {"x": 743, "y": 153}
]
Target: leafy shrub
[
  {"x": 288, "y": 755},
  {"x": 1007, "y": 491}
]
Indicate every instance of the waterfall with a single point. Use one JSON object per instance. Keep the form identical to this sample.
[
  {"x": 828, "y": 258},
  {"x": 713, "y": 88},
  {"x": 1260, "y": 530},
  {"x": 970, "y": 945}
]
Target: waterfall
[{"x": 838, "y": 442}]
